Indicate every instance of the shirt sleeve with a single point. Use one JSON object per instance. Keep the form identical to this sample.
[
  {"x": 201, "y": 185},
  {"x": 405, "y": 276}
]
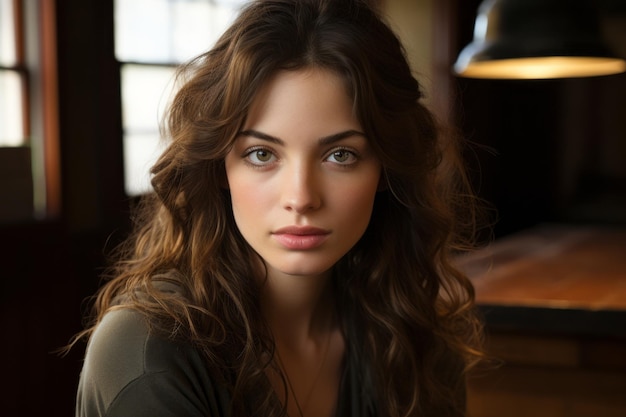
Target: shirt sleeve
[{"x": 130, "y": 372}]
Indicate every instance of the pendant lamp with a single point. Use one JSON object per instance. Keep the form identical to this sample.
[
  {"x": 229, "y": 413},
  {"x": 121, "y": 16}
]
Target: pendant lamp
[{"x": 537, "y": 39}]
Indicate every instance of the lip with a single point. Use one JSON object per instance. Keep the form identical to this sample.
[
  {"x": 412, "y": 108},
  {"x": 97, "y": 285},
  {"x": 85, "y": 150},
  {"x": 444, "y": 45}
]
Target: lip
[{"x": 300, "y": 237}]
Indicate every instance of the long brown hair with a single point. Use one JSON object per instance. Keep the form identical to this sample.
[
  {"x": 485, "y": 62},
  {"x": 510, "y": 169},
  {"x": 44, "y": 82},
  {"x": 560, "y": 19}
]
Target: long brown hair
[{"x": 413, "y": 309}]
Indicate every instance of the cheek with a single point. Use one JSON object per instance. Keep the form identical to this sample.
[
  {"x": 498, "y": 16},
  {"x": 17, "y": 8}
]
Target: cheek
[
  {"x": 357, "y": 201},
  {"x": 247, "y": 199}
]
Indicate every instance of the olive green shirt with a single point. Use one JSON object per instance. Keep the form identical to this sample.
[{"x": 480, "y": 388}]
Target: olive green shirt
[{"x": 132, "y": 372}]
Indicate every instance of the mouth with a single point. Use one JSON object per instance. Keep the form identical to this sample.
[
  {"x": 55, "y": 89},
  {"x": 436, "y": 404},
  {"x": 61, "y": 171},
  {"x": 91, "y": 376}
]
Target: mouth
[
  {"x": 300, "y": 231},
  {"x": 300, "y": 237}
]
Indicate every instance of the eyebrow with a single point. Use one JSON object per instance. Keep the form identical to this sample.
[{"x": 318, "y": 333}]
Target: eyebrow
[{"x": 326, "y": 140}]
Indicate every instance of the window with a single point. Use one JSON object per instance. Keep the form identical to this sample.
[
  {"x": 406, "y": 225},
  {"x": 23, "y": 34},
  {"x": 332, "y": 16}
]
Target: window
[
  {"x": 29, "y": 149},
  {"x": 149, "y": 46},
  {"x": 12, "y": 76},
  {"x": 29, "y": 159}
]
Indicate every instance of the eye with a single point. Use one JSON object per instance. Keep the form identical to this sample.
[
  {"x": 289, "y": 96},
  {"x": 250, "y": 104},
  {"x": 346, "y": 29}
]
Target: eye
[
  {"x": 342, "y": 157},
  {"x": 259, "y": 156}
]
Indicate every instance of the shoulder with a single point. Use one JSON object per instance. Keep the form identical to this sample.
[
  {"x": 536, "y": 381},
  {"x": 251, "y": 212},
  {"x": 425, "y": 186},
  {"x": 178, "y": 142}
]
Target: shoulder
[{"x": 130, "y": 371}]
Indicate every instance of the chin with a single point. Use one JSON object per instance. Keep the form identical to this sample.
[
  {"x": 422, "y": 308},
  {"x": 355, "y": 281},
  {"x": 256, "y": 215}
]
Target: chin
[
  {"x": 302, "y": 272},
  {"x": 300, "y": 269}
]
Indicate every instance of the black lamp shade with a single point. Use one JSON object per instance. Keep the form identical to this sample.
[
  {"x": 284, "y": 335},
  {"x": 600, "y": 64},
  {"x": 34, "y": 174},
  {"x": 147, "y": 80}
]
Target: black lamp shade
[{"x": 537, "y": 39}]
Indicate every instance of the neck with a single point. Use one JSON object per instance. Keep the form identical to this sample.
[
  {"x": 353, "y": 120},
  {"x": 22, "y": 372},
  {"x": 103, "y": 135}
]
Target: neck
[
  {"x": 309, "y": 342},
  {"x": 298, "y": 309}
]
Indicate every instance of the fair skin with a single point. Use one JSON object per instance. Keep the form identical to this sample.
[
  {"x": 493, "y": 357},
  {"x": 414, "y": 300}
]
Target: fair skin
[{"x": 303, "y": 179}]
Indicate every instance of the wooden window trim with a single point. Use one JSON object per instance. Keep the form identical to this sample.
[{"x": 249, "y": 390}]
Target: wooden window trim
[{"x": 50, "y": 113}]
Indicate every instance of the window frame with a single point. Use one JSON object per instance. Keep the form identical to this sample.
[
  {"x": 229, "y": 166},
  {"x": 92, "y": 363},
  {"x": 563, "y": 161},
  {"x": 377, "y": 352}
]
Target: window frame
[{"x": 36, "y": 67}]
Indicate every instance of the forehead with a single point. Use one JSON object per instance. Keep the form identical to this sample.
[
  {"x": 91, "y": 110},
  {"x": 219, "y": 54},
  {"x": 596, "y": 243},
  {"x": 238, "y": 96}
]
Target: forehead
[{"x": 299, "y": 95}]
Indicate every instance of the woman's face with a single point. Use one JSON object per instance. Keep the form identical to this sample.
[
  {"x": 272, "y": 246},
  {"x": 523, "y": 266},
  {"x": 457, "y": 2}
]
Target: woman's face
[{"x": 301, "y": 174}]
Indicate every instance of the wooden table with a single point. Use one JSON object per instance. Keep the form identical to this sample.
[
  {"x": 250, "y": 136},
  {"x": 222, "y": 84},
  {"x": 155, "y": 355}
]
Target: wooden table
[
  {"x": 556, "y": 278},
  {"x": 554, "y": 303}
]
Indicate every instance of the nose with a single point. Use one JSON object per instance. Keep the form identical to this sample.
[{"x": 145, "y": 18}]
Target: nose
[{"x": 301, "y": 189}]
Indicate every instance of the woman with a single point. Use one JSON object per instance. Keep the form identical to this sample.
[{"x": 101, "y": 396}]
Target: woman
[{"x": 294, "y": 257}]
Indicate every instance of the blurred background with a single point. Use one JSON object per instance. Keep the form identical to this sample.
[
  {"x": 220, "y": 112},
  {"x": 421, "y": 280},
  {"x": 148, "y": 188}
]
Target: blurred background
[{"x": 82, "y": 87}]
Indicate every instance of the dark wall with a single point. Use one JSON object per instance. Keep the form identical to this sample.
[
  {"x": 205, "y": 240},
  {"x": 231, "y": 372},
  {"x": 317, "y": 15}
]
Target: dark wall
[
  {"x": 548, "y": 150},
  {"x": 50, "y": 267}
]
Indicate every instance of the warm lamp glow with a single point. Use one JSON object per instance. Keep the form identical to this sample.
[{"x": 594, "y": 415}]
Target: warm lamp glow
[{"x": 543, "y": 68}]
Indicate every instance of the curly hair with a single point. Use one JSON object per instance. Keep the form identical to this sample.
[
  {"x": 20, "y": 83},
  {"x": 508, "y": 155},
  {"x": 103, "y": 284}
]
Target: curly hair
[{"x": 398, "y": 284}]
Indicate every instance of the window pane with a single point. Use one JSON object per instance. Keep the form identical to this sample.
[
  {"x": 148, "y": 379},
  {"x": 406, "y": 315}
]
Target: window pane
[
  {"x": 7, "y": 34},
  {"x": 11, "y": 117},
  {"x": 141, "y": 151},
  {"x": 197, "y": 26},
  {"x": 146, "y": 90},
  {"x": 174, "y": 30}
]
